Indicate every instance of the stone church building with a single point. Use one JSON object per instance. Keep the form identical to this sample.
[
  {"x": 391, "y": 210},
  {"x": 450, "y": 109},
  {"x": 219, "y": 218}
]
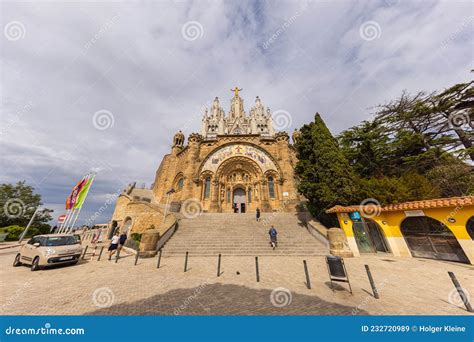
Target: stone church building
[{"x": 237, "y": 163}]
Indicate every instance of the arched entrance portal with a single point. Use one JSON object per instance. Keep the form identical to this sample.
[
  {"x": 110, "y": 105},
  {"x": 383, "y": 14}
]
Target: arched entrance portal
[
  {"x": 239, "y": 200},
  {"x": 126, "y": 225},
  {"x": 238, "y": 182},
  {"x": 429, "y": 238}
]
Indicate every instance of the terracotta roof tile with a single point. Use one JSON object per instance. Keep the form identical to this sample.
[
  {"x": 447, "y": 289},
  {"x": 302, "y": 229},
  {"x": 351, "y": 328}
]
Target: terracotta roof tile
[{"x": 425, "y": 204}]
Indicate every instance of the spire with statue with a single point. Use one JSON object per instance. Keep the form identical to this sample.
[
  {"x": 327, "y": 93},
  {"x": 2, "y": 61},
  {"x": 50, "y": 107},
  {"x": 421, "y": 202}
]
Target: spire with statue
[{"x": 236, "y": 122}]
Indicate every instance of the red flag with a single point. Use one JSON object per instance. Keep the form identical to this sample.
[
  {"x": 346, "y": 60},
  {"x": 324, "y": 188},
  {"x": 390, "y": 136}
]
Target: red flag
[{"x": 72, "y": 198}]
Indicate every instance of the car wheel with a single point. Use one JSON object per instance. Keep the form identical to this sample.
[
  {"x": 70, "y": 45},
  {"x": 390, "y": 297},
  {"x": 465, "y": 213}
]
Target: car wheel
[
  {"x": 17, "y": 261},
  {"x": 35, "y": 264}
]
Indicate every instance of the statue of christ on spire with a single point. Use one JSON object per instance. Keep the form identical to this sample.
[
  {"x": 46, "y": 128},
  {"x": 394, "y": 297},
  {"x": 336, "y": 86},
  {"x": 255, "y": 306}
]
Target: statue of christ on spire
[{"x": 236, "y": 91}]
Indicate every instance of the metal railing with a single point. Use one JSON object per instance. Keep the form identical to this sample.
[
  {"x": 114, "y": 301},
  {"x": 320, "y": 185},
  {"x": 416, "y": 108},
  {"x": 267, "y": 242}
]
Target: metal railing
[{"x": 166, "y": 236}]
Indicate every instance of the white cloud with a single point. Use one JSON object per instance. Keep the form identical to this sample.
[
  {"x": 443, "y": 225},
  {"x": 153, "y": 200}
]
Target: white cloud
[{"x": 131, "y": 59}]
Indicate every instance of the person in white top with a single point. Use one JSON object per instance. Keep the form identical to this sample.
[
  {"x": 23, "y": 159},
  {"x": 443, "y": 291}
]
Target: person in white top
[{"x": 113, "y": 245}]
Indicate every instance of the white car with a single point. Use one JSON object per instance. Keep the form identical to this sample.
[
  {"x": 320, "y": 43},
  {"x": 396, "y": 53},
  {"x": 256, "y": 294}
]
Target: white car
[{"x": 49, "y": 249}]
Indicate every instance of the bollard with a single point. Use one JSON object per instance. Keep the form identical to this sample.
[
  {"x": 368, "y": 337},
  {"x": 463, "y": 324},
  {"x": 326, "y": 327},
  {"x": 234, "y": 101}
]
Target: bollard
[
  {"x": 462, "y": 295},
  {"x": 159, "y": 260},
  {"x": 84, "y": 254},
  {"x": 219, "y": 265},
  {"x": 372, "y": 283},
  {"x": 308, "y": 282},
  {"x": 186, "y": 262},
  {"x": 100, "y": 253},
  {"x": 256, "y": 269},
  {"x": 118, "y": 256},
  {"x": 136, "y": 257}
]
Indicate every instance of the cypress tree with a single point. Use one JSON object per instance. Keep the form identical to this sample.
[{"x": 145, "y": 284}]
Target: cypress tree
[{"x": 325, "y": 176}]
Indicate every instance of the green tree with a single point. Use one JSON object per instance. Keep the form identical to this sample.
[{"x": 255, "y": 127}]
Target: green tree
[
  {"x": 452, "y": 114},
  {"x": 367, "y": 148},
  {"x": 452, "y": 177},
  {"x": 325, "y": 176},
  {"x": 18, "y": 203}
]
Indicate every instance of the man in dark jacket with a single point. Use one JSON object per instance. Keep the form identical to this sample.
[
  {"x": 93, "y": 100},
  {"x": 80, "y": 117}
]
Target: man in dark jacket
[
  {"x": 273, "y": 237},
  {"x": 122, "y": 239}
]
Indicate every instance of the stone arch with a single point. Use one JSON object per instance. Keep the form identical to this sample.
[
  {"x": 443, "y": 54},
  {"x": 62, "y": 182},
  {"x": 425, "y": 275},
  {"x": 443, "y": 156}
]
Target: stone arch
[
  {"x": 212, "y": 153},
  {"x": 176, "y": 181},
  {"x": 246, "y": 164},
  {"x": 127, "y": 225}
]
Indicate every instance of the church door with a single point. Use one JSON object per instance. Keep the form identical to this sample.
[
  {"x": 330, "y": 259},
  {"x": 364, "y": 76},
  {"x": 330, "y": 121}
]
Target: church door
[{"x": 239, "y": 200}]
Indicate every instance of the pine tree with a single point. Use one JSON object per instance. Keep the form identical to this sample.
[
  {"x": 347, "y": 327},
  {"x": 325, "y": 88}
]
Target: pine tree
[{"x": 325, "y": 176}]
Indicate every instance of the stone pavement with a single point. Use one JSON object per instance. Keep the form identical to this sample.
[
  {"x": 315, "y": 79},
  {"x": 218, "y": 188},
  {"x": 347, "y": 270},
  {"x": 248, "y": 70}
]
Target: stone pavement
[{"x": 406, "y": 286}]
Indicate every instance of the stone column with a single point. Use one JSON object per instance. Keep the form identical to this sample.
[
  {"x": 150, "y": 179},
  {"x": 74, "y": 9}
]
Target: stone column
[
  {"x": 287, "y": 177},
  {"x": 215, "y": 196},
  {"x": 264, "y": 196},
  {"x": 192, "y": 161}
]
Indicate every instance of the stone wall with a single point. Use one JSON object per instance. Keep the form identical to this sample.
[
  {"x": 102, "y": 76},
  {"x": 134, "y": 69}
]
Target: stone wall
[{"x": 186, "y": 162}]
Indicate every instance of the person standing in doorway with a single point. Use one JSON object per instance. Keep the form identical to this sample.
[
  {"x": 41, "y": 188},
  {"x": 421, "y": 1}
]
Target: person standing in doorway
[{"x": 258, "y": 214}]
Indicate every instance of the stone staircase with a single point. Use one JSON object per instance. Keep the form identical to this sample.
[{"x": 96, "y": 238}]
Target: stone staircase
[{"x": 239, "y": 234}]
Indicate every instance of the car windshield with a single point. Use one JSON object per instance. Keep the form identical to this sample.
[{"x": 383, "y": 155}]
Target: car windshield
[{"x": 60, "y": 241}]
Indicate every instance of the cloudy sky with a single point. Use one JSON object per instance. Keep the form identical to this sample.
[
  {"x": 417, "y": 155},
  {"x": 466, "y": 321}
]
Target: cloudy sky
[{"x": 104, "y": 85}]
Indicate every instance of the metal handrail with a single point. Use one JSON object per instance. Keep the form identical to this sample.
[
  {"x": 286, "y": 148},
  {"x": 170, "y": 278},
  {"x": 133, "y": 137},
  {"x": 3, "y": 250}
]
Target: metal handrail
[{"x": 166, "y": 236}]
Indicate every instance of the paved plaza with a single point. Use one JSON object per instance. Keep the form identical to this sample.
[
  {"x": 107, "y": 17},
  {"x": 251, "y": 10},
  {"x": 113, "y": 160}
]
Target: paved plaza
[{"x": 406, "y": 286}]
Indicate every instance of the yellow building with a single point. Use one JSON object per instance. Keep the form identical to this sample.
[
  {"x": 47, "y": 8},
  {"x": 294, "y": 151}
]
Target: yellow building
[
  {"x": 237, "y": 163},
  {"x": 437, "y": 229}
]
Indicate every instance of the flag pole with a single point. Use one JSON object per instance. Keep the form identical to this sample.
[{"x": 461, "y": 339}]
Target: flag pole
[
  {"x": 29, "y": 224},
  {"x": 73, "y": 220},
  {"x": 85, "y": 196},
  {"x": 68, "y": 220},
  {"x": 62, "y": 223}
]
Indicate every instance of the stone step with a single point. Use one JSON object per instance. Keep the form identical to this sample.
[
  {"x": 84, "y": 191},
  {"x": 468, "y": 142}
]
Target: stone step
[
  {"x": 254, "y": 253},
  {"x": 240, "y": 234}
]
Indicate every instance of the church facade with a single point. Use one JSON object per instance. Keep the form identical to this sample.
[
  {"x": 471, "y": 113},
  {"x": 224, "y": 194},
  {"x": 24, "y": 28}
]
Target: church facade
[{"x": 237, "y": 163}]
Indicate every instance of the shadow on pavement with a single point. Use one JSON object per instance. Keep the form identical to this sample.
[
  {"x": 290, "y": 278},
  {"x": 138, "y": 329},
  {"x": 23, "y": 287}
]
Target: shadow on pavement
[{"x": 219, "y": 299}]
